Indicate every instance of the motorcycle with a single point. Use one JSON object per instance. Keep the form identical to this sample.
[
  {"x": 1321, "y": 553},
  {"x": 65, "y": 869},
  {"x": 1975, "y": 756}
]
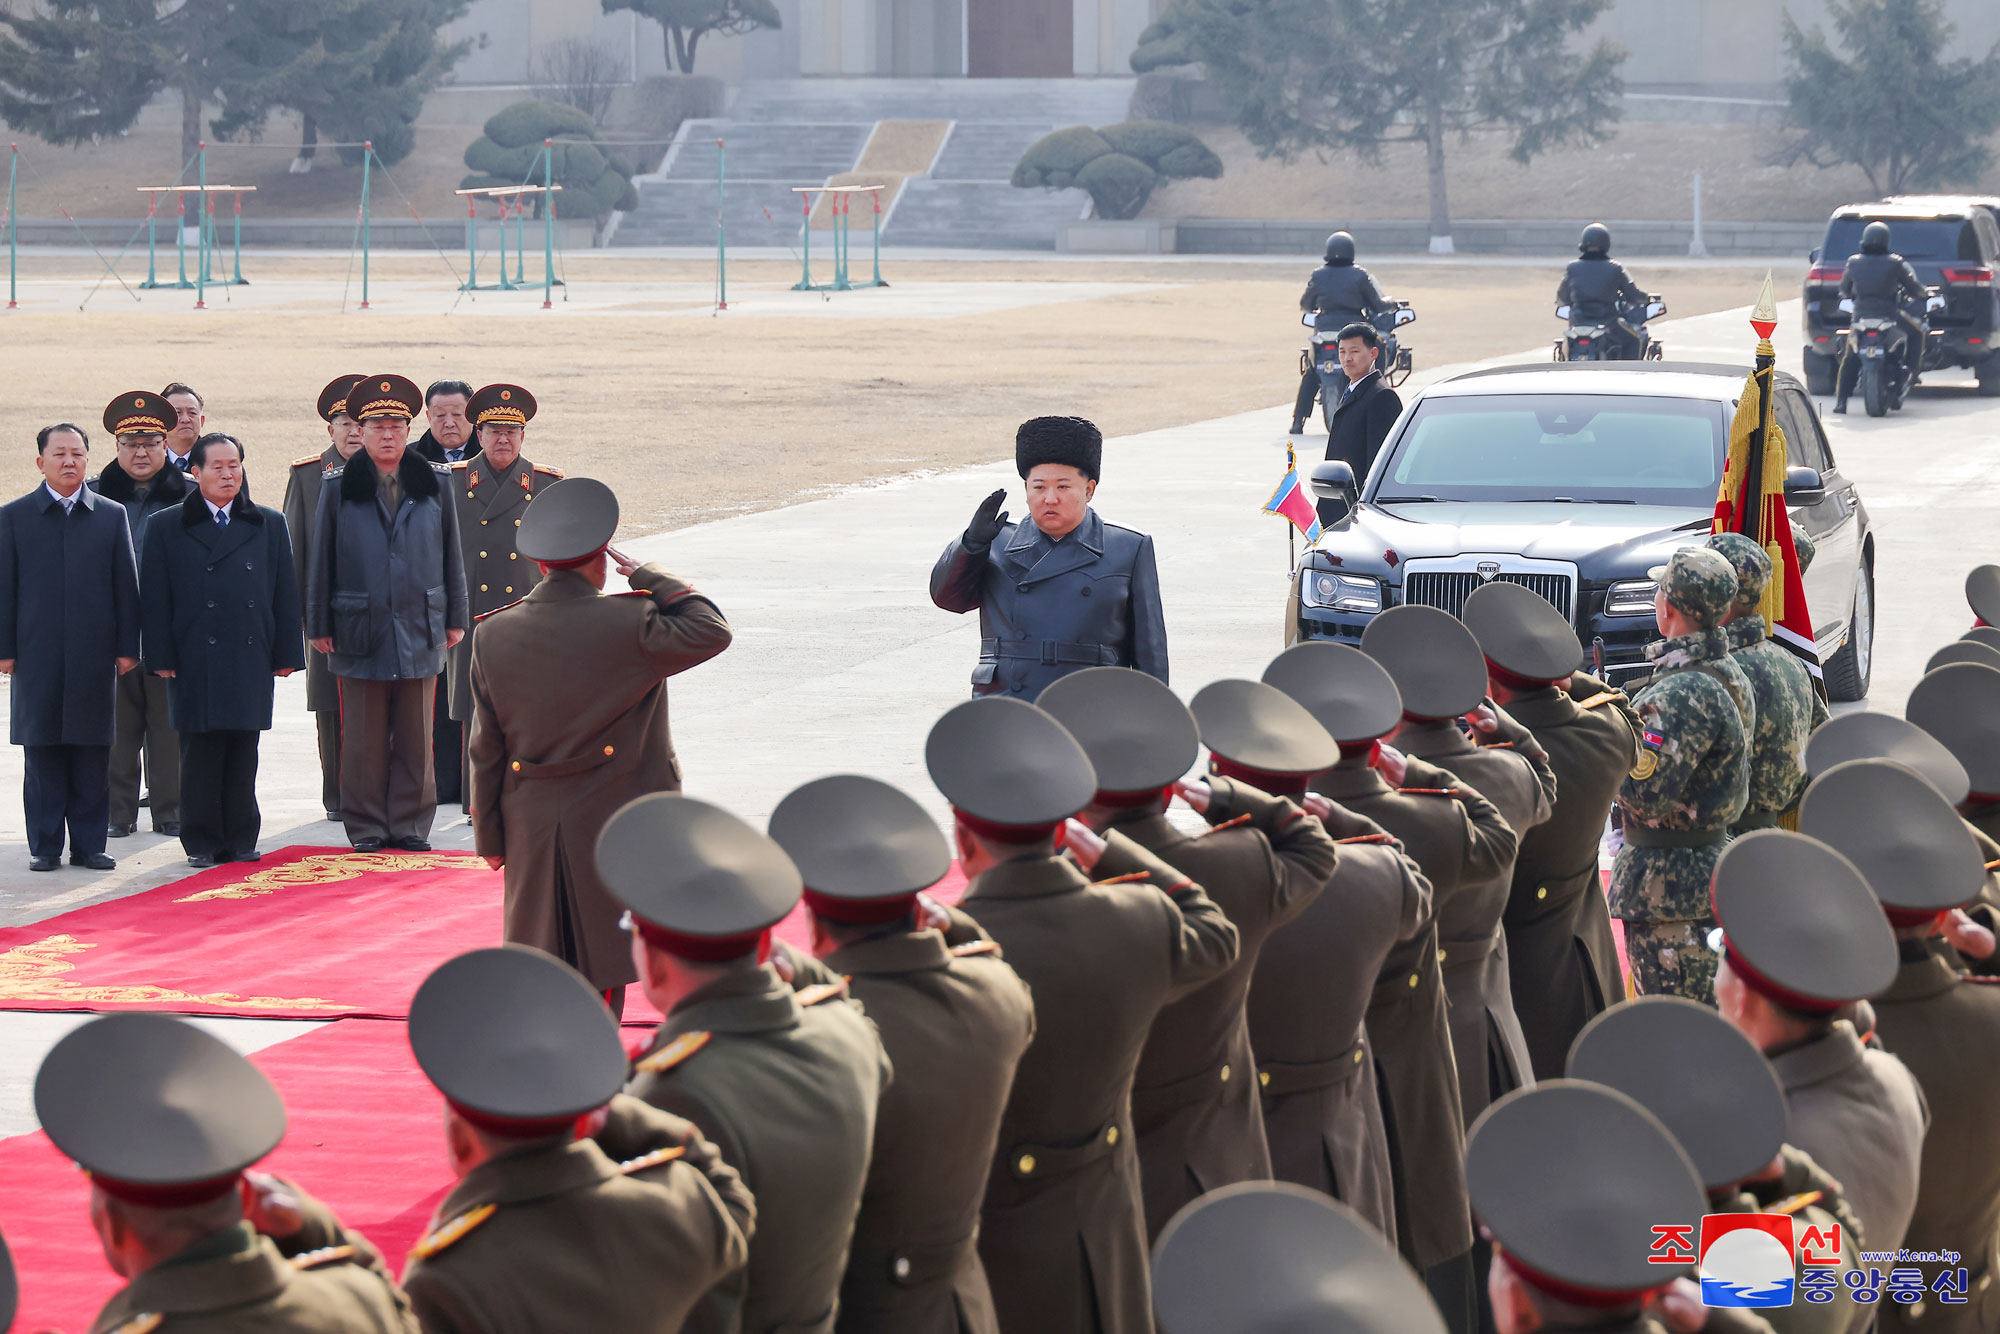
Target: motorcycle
[
  {"x": 1881, "y": 346},
  {"x": 1393, "y": 361},
  {"x": 1599, "y": 340}
]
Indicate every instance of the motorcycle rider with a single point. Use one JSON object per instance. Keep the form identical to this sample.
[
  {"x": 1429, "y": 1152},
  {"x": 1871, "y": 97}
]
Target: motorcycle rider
[
  {"x": 1596, "y": 288},
  {"x": 1339, "y": 293},
  {"x": 1881, "y": 285}
]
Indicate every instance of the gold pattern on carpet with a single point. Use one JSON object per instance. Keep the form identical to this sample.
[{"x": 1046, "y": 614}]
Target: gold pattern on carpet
[
  {"x": 325, "y": 868},
  {"x": 33, "y": 972}
]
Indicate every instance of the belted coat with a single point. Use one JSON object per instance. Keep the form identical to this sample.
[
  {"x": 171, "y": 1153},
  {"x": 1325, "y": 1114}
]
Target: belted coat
[{"x": 1049, "y": 608}]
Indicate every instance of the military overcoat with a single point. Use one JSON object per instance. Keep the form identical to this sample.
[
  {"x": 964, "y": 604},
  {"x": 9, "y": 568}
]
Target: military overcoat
[
  {"x": 301, "y": 509},
  {"x": 490, "y": 505}
]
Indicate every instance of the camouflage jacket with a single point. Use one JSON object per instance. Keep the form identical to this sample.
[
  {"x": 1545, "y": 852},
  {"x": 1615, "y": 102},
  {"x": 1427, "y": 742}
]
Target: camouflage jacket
[
  {"x": 1788, "y": 710},
  {"x": 1692, "y": 776}
]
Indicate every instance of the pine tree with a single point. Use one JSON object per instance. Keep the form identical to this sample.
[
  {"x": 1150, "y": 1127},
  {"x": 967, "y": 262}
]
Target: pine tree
[{"x": 686, "y": 22}]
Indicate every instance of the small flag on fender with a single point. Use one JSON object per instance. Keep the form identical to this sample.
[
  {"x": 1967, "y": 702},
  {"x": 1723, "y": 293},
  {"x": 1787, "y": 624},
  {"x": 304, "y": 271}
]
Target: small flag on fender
[{"x": 1291, "y": 501}]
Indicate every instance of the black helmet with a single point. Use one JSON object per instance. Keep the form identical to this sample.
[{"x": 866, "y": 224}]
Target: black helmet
[
  {"x": 1596, "y": 240},
  {"x": 1875, "y": 239},
  {"x": 1340, "y": 248}
]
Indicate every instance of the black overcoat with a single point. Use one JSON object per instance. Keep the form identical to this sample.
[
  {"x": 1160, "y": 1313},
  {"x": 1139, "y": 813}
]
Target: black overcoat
[
  {"x": 1361, "y": 423},
  {"x": 69, "y": 609},
  {"x": 221, "y": 613}
]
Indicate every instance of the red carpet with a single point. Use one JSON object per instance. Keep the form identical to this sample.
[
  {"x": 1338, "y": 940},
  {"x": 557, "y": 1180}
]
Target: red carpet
[
  {"x": 307, "y": 933},
  {"x": 365, "y": 1136}
]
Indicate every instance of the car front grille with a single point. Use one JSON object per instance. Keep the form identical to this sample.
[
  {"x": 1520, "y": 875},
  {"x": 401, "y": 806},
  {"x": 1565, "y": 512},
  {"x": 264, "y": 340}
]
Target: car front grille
[{"x": 1448, "y": 590}]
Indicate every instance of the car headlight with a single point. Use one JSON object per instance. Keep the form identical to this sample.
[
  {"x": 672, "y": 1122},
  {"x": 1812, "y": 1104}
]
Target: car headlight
[
  {"x": 1340, "y": 592},
  {"x": 1631, "y": 597}
]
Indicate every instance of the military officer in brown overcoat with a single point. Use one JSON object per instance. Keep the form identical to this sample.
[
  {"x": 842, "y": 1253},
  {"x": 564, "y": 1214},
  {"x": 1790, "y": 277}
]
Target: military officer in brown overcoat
[
  {"x": 785, "y": 1083},
  {"x": 1960, "y": 706},
  {"x": 545, "y": 1229},
  {"x": 1063, "y": 1232},
  {"x": 302, "y": 487},
  {"x": 1458, "y": 838},
  {"x": 492, "y": 489},
  {"x": 1195, "y": 1107},
  {"x": 544, "y": 780},
  {"x": 1436, "y": 665},
  {"x": 167, "y": 1121},
  {"x": 1562, "y": 958},
  {"x": 1922, "y": 863},
  {"x": 954, "y": 1019}
]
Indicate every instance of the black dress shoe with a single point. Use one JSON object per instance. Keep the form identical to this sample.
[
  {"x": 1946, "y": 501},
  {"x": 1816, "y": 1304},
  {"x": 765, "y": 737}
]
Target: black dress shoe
[
  {"x": 122, "y": 830},
  {"x": 251, "y": 856},
  {"x": 94, "y": 861},
  {"x": 333, "y": 817},
  {"x": 413, "y": 844},
  {"x": 44, "y": 863},
  {"x": 201, "y": 860},
  {"x": 171, "y": 828},
  {"x": 367, "y": 845}
]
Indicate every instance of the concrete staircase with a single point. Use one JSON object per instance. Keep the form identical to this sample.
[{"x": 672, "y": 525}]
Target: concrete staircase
[{"x": 790, "y": 132}]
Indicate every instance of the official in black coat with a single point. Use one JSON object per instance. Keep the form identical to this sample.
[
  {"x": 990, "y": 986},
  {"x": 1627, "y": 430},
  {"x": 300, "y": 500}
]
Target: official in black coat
[
  {"x": 1061, "y": 592},
  {"x": 221, "y": 620},
  {"x": 141, "y": 480},
  {"x": 450, "y": 436},
  {"x": 69, "y": 626},
  {"x": 1367, "y": 408}
]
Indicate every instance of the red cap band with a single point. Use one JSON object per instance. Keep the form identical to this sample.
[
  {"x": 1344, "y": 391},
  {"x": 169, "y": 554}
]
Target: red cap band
[
  {"x": 703, "y": 949},
  {"x": 1349, "y": 749},
  {"x": 511, "y": 1127},
  {"x": 576, "y": 564},
  {"x": 1900, "y": 917},
  {"x": 1005, "y": 833},
  {"x": 1595, "y": 1298},
  {"x": 1277, "y": 785},
  {"x": 173, "y": 1195},
  {"x": 1515, "y": 681},
  {"x": 860, "y": 912},
  {"x": 1122, "y": 801},
  {"x": 1770, "y": 990}
]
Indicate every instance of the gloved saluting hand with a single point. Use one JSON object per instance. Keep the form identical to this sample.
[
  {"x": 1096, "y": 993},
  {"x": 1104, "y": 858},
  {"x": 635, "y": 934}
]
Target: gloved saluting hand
[{"x": 987, "y": 521}]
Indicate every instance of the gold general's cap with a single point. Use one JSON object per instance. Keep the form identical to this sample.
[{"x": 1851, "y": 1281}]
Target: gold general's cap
[
  {"x": 140, "y": 410},
  {"x": 333, "y": 398},
  {"x": 502, "y": 405},
  {"x": 384, "y": 396}
]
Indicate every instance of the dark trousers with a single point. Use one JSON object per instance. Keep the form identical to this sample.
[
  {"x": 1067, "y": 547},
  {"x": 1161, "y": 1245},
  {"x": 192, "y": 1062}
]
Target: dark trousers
[
  {"x": 387, "y": 789},
  {"x": 447, "y": 744},
  {"x": 66, "y": 787},
  {"x": 327, "y": 722},
  {"x": 219, "y": 815},
  {"x": 139, "y": 727}
]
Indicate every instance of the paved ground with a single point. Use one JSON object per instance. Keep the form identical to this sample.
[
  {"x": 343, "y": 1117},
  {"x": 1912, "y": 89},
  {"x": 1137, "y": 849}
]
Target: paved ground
[{"x": 841, "y": 663}]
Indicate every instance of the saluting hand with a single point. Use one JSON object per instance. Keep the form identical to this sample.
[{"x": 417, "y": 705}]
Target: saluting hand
[
  {"x": 1083, "y": 842},
  {"x": 1968, "y": 937},
  {"x": 1391, "y": 763},
  {"x": 932, "y": 915},
  {"x": 620, "y": 562},
  {"x": 987, "y": 520},
  {"x": 1318, "y": 805},
  {"x": 270, "y": 1206},
  {"x": 1196, "y": 794}
]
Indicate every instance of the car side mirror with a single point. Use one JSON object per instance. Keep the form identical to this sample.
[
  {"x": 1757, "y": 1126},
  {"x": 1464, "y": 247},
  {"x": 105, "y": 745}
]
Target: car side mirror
[
  {"x": 1334, "y": 480},
  {"x": 1812, "y": 256},
  {"x": 1804, "y": 486}
]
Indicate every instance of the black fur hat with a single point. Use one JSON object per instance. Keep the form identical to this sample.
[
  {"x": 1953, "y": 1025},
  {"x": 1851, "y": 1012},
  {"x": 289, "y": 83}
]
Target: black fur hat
[{"x": 1070, "y": 440}]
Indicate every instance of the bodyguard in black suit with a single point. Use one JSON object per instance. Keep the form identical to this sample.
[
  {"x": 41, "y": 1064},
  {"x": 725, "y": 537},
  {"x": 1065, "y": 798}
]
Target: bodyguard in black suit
[
  {"x": 221, "y": 620},
  {"x": 69, "y": 625},
  {"x": 1367, "y": 408}
]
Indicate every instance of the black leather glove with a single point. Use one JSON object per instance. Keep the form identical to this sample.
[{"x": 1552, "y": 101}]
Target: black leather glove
[{"x": 987, "y": 521}]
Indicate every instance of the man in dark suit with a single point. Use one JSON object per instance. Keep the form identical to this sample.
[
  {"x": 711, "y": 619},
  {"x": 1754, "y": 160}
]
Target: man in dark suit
[
  {"x": 69, "y": 627},
  {"x": 1062, "y": 592},
  {"x": 449, "y": 437},
  {"x": 1366, "y": 411},
  {"x": 221, "y": 620}
]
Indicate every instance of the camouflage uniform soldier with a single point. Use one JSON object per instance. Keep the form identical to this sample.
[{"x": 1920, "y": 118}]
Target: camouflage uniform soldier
[
  {"x": 1690, "y": 782},
  {"x": 1789, "y": 708}
]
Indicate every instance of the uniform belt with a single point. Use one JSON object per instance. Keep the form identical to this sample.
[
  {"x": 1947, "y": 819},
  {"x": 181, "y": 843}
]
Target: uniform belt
[
  {"x": 1458, "y": 953},
  {"x": 561, "y": 768},
  {"x": 1277, "y": 1078},
  {"x": 1551, "y": 894},
  {"x": 1043, "y": 1162},
  {"x": 1398, "y": 986},
  {"x": 1048, "y": 652},
  {"x": 1644, "y": 836},
  {"x": 1756, "y": 820},
  {"x": 1152, "y": 1105}
]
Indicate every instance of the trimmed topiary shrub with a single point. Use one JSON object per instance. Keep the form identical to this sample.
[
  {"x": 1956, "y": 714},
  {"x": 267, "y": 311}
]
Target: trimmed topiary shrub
[
  {"x": 594, "y": 181},
  {"x": 1119, "y": 164}
]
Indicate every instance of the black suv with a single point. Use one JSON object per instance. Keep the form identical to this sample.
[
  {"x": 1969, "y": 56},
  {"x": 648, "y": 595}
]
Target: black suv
[{"x": 1953, "y": 242}]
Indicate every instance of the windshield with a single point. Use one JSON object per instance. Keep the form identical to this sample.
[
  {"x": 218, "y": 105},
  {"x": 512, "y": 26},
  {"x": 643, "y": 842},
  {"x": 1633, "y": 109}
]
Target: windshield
[
  {"x": 1611, "y": 448},
  {"x": 1933, "y": 239}
]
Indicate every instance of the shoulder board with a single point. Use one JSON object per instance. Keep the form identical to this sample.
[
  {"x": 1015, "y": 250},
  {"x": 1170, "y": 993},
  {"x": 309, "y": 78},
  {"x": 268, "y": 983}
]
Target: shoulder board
[
  {"x": 1130, "y": 877},
  {"x": 1496, "y": 745},
  {"x": 140, "y": 1324},
  {"x": 444, "y": 468},
  {"x": 1601, "y": 698},
  {"x": 460, "y": 464},
  {"x": 453, "y": 1232},
  {"x": 310, "y": 458},
  {"x": 1982, "y": 979},
  {"x": 1431, "y": 791},
  {"x": 1993, "y": 865},
  {"x": 1793, "y": 1204},
  {"x": 325, "y": 1255},
  {"x": 671, "y": 1055},
  {"x": 651, "y": 1160},
  {"x": 821, "y": 992},
  {"x": 543, "y": 467},
  {"x": 1368, "y": 838},
  {"x": 973, "y": 948},
  {"x": 333, "y": 470},
  {"x": 497, "y": 610},
  {"x": 1226, "y": 824}
]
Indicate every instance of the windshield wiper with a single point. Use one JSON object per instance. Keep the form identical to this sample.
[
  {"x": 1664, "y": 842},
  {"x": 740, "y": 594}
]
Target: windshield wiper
[
  {"x": 1693, "y": 524},
  {"x": 1571, "y": 500},
  {"x": 1416, "y": 500}
]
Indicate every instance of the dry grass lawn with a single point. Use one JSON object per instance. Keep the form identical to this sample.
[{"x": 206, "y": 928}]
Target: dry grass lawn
[{"x": 693, "y": 418}]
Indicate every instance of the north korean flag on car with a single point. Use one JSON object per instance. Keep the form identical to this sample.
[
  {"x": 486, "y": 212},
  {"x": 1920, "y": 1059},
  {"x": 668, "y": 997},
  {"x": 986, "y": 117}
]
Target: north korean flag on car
[{"x": 1291, "y": 501}]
